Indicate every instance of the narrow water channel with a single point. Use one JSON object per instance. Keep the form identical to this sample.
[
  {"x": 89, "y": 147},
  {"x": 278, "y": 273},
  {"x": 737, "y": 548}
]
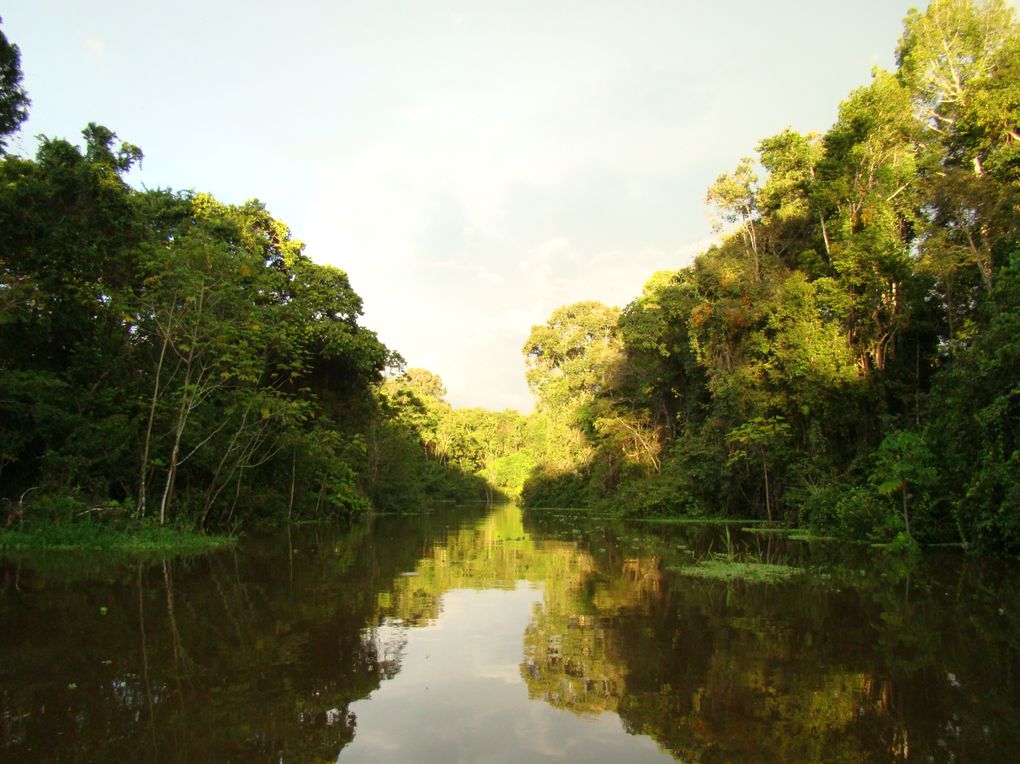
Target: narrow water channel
[{"x": 488, "y": 634}]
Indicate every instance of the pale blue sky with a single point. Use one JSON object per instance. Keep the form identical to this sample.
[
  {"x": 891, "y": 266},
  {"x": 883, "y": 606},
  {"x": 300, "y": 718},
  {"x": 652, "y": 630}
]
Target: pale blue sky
[{"x": 471, "y": 165}]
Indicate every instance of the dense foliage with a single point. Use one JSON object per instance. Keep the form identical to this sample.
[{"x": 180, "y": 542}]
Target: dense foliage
[
  {"x": 846, "y": 356},
  {"x": 166, "y": 355}
]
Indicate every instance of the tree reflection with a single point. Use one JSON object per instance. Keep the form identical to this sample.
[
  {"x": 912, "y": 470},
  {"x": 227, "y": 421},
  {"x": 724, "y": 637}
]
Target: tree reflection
[
  {"x": 217, "y": 658},
  {"x": 841, "y": 665},
  {"x": 259, "y": 654},
  {"x": 857, "y": 661}
]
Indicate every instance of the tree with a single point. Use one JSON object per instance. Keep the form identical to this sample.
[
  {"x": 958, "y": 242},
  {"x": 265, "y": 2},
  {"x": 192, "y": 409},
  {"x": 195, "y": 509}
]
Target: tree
[
  {"x": 417, "y": 400},
  {"x": 569, "y": 356},
  {"x": 868, "y": 177},
  {"x": 735, "y": 195},
  {"x": 788, "y": 203},
  {"x": 14, "y": 101},
  {"x": 661, "y": 372},
  {"x": 974, "y": 426},
  {"x": 767, "y": 439},
  {"x": 68, "y": 259},
  {"x": 961, "y": 62},
  {"x": 946, "y": 49},
  {"x": 903, "y": 464},
  {"x": 425, "y": 382},
  {"x": 200, "y": 308}
]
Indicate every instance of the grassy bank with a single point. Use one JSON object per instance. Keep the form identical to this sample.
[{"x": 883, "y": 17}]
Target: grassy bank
[{"x": 139, "y": 538}]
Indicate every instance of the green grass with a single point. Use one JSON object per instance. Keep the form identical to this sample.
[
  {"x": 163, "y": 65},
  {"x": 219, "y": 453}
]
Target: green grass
[
  {"x": 136, "y": 539},
  {"x": 732, "y": 570}
]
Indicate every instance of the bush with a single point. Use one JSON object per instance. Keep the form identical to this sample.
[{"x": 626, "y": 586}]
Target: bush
[
  {"x": 559, "y": 489},
  {"x": 662, "y": 495},
  {"x": 851, "y": 512}
]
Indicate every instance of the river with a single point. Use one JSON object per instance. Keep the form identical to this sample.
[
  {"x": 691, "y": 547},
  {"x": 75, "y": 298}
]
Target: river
[{"x": 495, "y": 635}]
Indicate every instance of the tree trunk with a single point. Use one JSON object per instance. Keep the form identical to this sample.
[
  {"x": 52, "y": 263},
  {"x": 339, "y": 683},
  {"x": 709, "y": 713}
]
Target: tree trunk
[
  {"x": 293, "y": 473},
  {"x": 142, "y": 487},
  {"x": 171, "y": 475},
  {"x": 906, "y": 515}
]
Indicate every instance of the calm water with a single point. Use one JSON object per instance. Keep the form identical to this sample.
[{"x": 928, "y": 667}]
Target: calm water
[{"x": 484, "y": 635}]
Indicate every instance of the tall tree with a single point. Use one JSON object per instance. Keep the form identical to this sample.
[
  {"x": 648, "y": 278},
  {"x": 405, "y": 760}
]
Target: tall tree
[
  {"x": 569, "y": 356},
  {"x": 946, "y": 49},
  {"x": 14, "y": 101}
]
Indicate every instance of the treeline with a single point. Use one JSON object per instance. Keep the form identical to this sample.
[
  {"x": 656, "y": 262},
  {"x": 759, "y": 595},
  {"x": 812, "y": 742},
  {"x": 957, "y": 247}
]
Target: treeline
[
  {"x": 167, "y": 356},
  {"x": 848, "y": 355}
]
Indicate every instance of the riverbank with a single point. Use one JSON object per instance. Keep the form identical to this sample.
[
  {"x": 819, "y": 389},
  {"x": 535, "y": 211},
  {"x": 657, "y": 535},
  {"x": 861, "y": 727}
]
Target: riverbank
[{"x": 139, "y": 538}]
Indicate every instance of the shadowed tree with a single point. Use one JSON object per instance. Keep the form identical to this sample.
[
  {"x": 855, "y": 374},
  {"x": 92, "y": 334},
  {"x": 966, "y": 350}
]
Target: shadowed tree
[{"x": 14, "y": 101}]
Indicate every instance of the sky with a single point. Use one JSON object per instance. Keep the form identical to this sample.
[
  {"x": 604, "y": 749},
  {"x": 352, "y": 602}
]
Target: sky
[{"x": 471, "y": 165}]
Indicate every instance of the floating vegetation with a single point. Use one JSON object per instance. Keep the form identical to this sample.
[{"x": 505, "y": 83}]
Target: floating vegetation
[
  {"x": 732, "y": 570},
  {"x": 559, "y": 509},
  {"x": 697, "y": 521},
  {"x": 794, "y": 534}
]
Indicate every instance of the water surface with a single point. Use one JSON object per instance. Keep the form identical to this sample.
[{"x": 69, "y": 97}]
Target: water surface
[{"x": 481, "y": 634}]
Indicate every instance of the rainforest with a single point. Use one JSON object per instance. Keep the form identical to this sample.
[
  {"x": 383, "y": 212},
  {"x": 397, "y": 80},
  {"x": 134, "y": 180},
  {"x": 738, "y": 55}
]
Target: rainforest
[
  {"x": 767, "y": 510},
  {"x": 843, "y": 359}
]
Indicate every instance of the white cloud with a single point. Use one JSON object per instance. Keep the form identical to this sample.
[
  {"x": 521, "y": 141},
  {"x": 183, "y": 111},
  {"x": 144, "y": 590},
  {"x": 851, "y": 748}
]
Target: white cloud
[{"x": 95, "y": 47}]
